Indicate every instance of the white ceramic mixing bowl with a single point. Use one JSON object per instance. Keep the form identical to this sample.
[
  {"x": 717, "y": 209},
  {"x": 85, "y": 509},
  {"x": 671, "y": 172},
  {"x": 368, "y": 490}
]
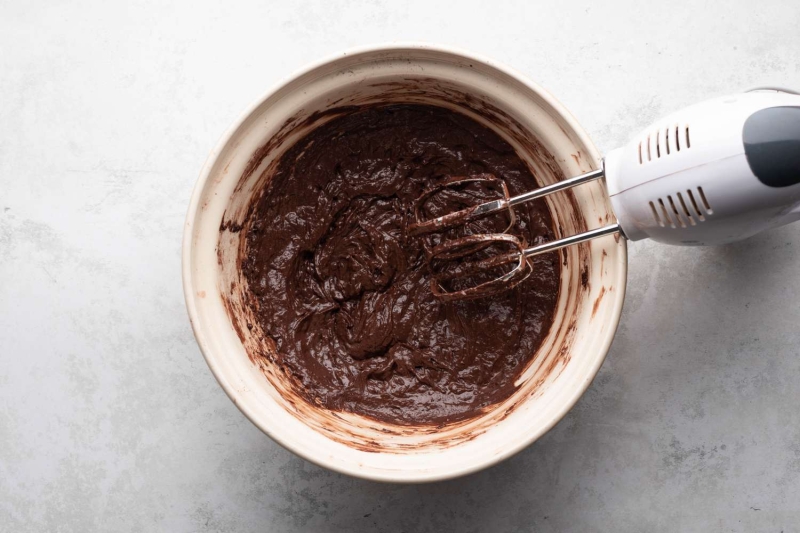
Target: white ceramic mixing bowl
[{"x": 592, "y": 278}]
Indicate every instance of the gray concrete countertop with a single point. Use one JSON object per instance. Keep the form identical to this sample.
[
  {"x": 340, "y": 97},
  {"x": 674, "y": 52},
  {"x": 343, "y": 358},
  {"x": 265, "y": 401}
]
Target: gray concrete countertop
[{"x": 110, "y": 419}]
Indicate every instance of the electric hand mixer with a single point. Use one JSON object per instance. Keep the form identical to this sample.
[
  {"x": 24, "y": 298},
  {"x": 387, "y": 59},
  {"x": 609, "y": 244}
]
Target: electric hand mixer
[{"x": 713, "y": 173}]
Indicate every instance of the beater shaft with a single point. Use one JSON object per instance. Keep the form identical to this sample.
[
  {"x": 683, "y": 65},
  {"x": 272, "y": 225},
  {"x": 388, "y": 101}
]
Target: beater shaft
[
  {"x": 572, "y": 239},
  {"x": 558, "y": 186}
]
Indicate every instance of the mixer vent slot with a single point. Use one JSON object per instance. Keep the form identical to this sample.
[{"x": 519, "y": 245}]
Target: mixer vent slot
[
  {"x": 681, "y": 209},
  {"x": 655, "y": 215},
  {"x": 662, "y": 214},
  {"x": 662, "y": 143}
]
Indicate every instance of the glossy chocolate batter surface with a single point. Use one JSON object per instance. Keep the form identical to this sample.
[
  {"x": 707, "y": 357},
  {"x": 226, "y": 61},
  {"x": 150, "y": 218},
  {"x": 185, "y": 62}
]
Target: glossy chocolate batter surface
[{"x": 344, "y": 292}]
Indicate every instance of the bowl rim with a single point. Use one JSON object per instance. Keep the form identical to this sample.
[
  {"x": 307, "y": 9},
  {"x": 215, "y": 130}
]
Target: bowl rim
[{"x": 191, "y": 299}]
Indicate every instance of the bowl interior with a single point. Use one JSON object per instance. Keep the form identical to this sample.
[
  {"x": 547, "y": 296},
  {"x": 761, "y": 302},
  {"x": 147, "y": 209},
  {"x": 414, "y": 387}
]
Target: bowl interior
[{"x": 591, "y": 285}]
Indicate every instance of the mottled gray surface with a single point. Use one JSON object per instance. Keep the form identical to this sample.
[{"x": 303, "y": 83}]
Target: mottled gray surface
[{"x": 109, "y": 417}]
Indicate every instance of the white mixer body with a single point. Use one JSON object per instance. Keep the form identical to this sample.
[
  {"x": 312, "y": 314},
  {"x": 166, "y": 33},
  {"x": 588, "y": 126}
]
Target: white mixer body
[{"x": 716, "y": 172}]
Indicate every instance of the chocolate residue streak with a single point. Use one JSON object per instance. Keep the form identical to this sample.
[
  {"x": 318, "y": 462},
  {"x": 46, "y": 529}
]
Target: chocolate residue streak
[
  {"x": 230, "y": 225},
  {"x": 344, "y": 292},
  {"x": 596, "y": 304}
]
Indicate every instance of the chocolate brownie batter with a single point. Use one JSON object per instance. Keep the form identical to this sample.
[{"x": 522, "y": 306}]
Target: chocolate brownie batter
[{"x": 344, "y": 291}]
